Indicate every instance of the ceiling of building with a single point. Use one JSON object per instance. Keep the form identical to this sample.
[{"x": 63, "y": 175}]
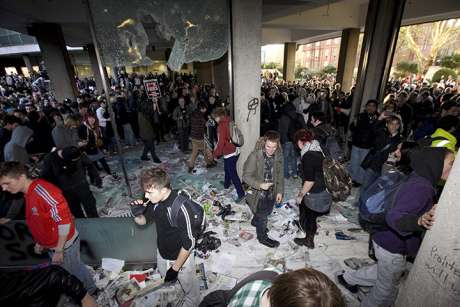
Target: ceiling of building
[{"x": 283, "y": 20}]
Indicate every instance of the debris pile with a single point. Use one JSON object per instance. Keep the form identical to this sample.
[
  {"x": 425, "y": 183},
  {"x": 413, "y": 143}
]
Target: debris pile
[{"x": 229, "y": 250}]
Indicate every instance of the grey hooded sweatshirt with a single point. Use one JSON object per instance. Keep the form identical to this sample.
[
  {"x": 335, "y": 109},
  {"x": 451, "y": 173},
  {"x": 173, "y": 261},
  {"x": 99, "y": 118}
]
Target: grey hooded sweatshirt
[{"x": 15, "y": 149}]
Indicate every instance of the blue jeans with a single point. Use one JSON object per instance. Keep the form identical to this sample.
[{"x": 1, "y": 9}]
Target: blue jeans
[
  {"x": 74, "y": 266},
  {"x": 290, "y": 159},
  {"x": 357, "y": 173},
  {"x": 369, "y": 177},
  {"x": 231, "y": 175}
]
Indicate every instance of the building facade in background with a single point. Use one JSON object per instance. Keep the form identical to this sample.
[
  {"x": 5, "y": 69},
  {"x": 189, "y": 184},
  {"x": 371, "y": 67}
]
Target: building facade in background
[{"x": 315, "y": 56}]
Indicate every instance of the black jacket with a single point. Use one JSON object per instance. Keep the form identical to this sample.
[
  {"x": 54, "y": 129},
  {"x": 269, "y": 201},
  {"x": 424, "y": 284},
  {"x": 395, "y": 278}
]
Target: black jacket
[
  {"x": 121, "y": 112},
  {"x": 39, "y": 287},
  {"x": 383, "y": 145},
  {"x": 5, "y": 137},
  {"x": 290, "y": 121},
  {"x": 68, "y": 176},
  {"x": 171, "y": 239},
  {"x": 363, "y": 132}
]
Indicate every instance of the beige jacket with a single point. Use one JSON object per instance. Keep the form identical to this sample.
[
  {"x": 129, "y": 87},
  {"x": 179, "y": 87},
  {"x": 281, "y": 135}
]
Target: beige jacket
[{"x": 253, "y": 173}]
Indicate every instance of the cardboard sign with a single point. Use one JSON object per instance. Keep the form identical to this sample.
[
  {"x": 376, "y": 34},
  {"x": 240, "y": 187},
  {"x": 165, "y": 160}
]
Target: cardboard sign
[{"x": 152, "y": 87}]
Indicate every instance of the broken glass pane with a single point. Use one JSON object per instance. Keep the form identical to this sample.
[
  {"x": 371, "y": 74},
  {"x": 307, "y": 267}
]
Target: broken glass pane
[{"x": 195, "y": 30}]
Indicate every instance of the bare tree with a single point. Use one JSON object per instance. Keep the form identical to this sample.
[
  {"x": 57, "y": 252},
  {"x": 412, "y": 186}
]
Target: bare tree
[{"x": 434, "y": 36}]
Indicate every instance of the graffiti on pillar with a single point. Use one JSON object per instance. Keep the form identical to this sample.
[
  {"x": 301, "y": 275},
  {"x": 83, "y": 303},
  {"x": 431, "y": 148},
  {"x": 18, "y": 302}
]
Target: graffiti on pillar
[
  {"x": 445, "y": 271},
  {"x": 117, "y": 238}
]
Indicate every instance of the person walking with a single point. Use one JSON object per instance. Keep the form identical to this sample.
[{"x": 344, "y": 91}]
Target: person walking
[
  {"x": 198, "y": 126},
  {"x": 146, "y": 131},
  {"x": 313, "y": 200},
  {"x": 66, "y": 168},
  {"x": 49, "y": 220},
  {"x": 182, "y": 117},
  {"x": 230, "y": 152},
  {"x": 263, "y": 172}
]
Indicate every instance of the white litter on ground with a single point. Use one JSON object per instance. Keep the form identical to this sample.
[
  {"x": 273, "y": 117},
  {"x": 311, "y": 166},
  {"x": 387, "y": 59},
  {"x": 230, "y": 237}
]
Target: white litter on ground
[{"x": 240, "y": 253}]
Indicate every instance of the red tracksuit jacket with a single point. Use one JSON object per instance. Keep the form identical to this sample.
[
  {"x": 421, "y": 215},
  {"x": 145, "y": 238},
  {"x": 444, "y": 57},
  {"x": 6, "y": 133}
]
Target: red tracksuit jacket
[{"x": 46, "y": 209}]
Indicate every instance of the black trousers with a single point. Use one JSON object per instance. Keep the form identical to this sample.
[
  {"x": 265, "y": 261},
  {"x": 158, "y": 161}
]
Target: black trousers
[
  {"x": 78, "y": 197},
  {"x": 149, "y": 146},
  {"x": 264, "y": 209},
  {"x": 183, "y": 135},
  {"x": 308, "y": 219},
  {"x": 159, "y": 135},
  {"x": 104, "y": 164}
]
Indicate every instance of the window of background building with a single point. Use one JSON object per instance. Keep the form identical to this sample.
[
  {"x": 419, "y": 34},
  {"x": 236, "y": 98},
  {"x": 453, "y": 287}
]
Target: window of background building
[
  {"x": 26, "y": 73},
  {"x": 10, "y": 70}
]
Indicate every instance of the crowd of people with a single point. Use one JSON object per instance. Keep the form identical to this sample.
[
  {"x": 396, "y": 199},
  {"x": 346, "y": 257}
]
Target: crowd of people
[{"x": 67, "y": 144}]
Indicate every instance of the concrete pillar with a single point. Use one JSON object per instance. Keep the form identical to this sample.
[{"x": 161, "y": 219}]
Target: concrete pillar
[
  {"x": 214, "y": 72},
  {"x": 28, "y": 64},
  {"x": 221, "y": 76},
  {"x": 58, "y": 65},
  {"x": 289, "y": 61},
  {"x": 434, "y": 279},
  {"x": 380, "y": 36},
  {"x": 203, "y": 71},
  {"x": 245, "y": 43},
  {"x": 18, "y": 69},
  {"x": 347, "y": 58},
  {"x": 95, "y": 67}
]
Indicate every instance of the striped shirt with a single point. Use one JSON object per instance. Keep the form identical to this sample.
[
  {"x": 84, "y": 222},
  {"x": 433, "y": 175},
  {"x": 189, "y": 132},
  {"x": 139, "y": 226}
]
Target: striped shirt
[{"x": 46, "y": 209}]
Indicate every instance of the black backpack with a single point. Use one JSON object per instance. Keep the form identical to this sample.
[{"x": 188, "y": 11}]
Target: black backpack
[{"x": 198, "y": 220}]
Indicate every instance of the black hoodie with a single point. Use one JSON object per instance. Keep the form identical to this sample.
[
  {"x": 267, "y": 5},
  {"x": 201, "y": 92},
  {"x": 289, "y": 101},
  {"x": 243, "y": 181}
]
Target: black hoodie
[{"x": 429, "y": 163}]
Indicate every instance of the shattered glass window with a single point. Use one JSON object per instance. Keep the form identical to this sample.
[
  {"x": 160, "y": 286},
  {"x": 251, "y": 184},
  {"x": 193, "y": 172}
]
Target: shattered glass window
[{"x": 195, "y": 30}]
